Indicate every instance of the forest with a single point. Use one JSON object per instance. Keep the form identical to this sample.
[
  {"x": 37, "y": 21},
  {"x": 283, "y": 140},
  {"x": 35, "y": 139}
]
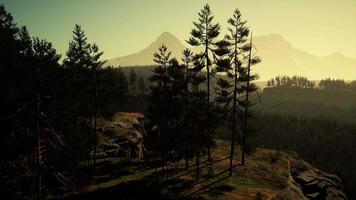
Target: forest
[{"x": 54, "y": 107}]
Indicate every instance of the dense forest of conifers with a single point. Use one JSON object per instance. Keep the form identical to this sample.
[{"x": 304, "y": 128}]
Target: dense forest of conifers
[
  {"x": 316, "y": 121},
  {"x": 50, "y": 107},
  {"x": 319, "y": 124},
  {"x": 51, "y": 104}
]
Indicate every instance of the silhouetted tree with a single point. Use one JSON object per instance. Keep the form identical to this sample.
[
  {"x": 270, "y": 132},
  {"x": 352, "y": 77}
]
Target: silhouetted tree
[
  {"x": 159, "y": 103},
  {"x": 141, "y": 85},
  {"x": 83, "y": 61},
  {"x": 95, "y": 67},
  {"x": 291, "y": 82},
  {"x": 197, "y": 117},
  {"x": 204, "y": 34},
  {"x": 133, "y": 78},
  {"x": 333, "y": 84},
  {"x": 248, "y": 88},
  {"x": 188, "y": 144},
  {"x": 236, "y": 48}
]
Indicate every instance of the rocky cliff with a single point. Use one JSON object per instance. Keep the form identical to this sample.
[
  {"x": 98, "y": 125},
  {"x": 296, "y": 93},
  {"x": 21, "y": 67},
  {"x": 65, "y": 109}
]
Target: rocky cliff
[
  {"x": 306, "y": 182},
  {"x": 122, "y": 136},
  {"x": 268, "y": 174}
]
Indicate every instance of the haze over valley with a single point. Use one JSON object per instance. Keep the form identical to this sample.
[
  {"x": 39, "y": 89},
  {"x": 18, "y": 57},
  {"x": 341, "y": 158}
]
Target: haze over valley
[{"x": 278, "y": 55}]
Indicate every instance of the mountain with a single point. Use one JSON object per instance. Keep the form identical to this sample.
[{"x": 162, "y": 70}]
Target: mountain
[
  {"x": 279, "y": 57},
  {"x": 145, "y": 56}
]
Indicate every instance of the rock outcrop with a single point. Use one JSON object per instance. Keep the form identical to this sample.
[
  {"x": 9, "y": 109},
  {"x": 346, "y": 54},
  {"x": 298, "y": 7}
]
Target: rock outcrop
[
  {"x": 306, "y": 182},
  {"x": 122, "y": 136},
  {"x": 316, "y": 184}
]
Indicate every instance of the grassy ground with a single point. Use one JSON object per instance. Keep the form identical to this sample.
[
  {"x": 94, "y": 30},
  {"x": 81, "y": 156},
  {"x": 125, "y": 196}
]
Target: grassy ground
[{"x": 265, "y": 172}]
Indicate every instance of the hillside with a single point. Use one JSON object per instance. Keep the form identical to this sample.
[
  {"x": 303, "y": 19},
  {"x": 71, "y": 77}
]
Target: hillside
[
  {"x": 279, "y": 57},
  {"x": 268, "y": 174}
]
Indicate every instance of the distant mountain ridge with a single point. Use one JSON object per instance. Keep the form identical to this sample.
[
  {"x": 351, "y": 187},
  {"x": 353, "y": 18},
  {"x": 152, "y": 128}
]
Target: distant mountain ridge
[
  {"x": 279, "y": 57},
  {"x": 145, "y": 56}
]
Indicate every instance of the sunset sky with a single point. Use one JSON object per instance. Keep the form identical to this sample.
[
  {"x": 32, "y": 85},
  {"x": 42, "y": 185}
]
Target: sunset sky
[{"x": 121, "y": 27}]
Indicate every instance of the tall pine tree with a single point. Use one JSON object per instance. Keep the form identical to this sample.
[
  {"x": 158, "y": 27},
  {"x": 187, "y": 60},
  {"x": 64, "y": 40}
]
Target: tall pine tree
[
  {"x": 236, "y": 79},
  {"x": 204, "y": 34}
]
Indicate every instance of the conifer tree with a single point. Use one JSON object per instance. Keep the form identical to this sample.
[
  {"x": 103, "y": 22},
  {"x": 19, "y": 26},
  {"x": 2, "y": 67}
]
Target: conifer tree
[
  {"x": 247, "y": 88},
  {"x": 233, "y": 84},
  {"x": 188, "y": 145},
  {"x": 235, "y": 44},
  {"x": 133, "y": 78},
  {"x": 141, "y": 85},
  {"x": 159, "y": 103},
  {"x": 77, "y": 53},
  {"x": 95, "y": 67},
  {"x": 123, "y": 84},
  {"x": 166, "y": 110},
  {"x": 197, "y": 118},
  {"x": 83, "y": 62},
  {"x": 204, "y": 34}
]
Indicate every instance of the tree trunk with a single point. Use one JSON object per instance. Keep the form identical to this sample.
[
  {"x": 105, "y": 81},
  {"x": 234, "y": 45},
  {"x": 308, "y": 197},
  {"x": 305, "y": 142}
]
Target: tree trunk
[
  {"x": 95, "y": 118},
  {"x": 234, "y": 110},
  {"x": 38, "y": 138},
  {"x": 197, "y": 165},
  {"x": 186, "y": 151},
  {"x": 186, "y": 163},
  {"x": 246, "y": 107},
  {"x": 208, "y": 90}
]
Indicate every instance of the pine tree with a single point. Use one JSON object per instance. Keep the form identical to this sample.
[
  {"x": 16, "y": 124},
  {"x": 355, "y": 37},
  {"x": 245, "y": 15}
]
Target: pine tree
[
  {"x": 133, "y": 78},
  {"x": 248, "y": 88},
  {"x": 50, "y": 145},
  {"x": 95, "y": 67},
  {"x": 158, "y": 110},
  {"x": 77, "y": 62},
  {"x": 83, "y": 62},
  {"x": 236, "y": 47},
  {"x": 236, "y": 79},
  {"x": 197, "y": 118},
  {"x": 204, "y": 34},
  {"x": 188, "y": 144},
  {"x": 141, "y": 85},
  {"x": 123, "y": 84},
  {"x": 78, "y": 53}
]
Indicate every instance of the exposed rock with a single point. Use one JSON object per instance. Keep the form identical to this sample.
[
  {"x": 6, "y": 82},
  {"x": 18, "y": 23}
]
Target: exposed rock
[
  {"x": 291, "y": 192},
  {"x": 316, "y": 184},
  {"x": 306, "y": 182},
  {"x": 122, "y": 136}
]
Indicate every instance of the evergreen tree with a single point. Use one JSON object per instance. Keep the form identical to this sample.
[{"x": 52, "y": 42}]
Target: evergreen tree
[
  {"x": 197, "y": 118},
  {"x": 248, "y": 88},
  {"x": 188, "y": 144},
  {"x": 158, "y": 113},
  {"x": 95, "y": 67},
  {"x": 204, "y": 34},
  {"x": 77, "y": 59},
  {"x": 166, "y": 111},
  {"x": 235, "y": 46},
  {"x": 83, "y": 62},
  {"x": 133, "y": 78},
  {"x": 122, "y": 82},
  {"x": 29, "y": 126},
  {"x": 237, "y": 76},
  {"x": 141, "y": 85}
]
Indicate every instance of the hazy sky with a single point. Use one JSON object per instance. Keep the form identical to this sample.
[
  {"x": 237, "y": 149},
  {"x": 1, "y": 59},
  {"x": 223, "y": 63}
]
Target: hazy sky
[{"x": 121, "y": 27}]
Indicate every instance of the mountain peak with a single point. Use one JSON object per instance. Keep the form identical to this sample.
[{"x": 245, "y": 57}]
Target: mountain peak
[
  {"x": 273, "y": 39},
  {"x": 168, "y": 39},
  {"x": 166, "y": 35},
  {"x": 145, "y": 56}
]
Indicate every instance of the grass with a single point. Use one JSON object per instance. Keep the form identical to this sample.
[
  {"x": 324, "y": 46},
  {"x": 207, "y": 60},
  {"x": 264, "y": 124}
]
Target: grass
[{"x": 265, "y": 172}]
